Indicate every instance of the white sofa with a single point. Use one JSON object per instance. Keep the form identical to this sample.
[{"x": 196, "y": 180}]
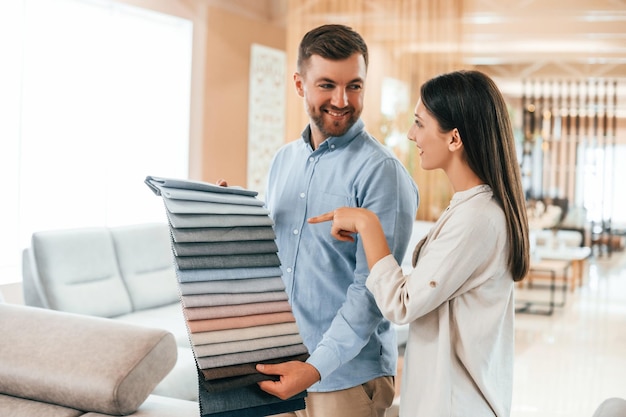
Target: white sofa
[{"x": 122, "y": 273}]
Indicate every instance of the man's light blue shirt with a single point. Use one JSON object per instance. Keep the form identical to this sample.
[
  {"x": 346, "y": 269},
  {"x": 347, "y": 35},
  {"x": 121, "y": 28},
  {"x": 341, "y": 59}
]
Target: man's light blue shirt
[{"x": 349, "y": 340}]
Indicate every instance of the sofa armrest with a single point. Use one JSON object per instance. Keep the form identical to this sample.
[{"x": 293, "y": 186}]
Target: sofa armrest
[
  {"x": 81, "y": 362},
  {"x": 31, "y": 286}
]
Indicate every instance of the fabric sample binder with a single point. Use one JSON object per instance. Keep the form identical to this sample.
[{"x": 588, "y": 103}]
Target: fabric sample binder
[{"x": 232, "y": 294}]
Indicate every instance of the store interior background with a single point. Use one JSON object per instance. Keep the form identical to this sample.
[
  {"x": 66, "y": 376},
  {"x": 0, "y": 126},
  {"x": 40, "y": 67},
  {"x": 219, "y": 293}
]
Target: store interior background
[
  {"x": 570, "y": 52},
  {"x": 531, "y": 48},
  {"x": 516, "y": 42}
]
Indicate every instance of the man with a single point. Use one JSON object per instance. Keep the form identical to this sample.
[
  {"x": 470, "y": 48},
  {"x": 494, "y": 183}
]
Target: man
[{"x": 336, "y": 163}]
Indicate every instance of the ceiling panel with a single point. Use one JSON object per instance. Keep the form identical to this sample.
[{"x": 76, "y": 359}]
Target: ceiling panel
[{"x": 511, "y": 39}]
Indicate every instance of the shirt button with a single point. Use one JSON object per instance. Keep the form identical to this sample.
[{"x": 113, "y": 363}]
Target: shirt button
[
  {"x": 289, "y": 269},
  {"x": 295, "y": 231},
  {"x": 332, "y": 146},
  {"x": 311, "y": 159},
  {"x": 302, "y": 195},
  {"x": 432, "y": 284}
]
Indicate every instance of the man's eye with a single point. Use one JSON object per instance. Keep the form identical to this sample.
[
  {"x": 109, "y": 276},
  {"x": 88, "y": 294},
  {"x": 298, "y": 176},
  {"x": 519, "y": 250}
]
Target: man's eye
[
  {"x": 355, "y": 87},
  {"x": 326, "y": 86}
]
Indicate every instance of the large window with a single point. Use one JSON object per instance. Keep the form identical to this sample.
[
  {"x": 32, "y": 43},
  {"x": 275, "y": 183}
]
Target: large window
[
  {"x": 601, "y": 173},
  {"x": 94, "y": 97}
]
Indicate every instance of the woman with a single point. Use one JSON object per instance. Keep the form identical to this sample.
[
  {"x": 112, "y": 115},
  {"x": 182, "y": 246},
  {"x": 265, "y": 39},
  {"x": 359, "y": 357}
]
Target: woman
[{"x": 459, "y": 298}]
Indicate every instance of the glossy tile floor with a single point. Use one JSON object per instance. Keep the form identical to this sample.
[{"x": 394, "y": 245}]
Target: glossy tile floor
[{"x": 567, "y": 363}]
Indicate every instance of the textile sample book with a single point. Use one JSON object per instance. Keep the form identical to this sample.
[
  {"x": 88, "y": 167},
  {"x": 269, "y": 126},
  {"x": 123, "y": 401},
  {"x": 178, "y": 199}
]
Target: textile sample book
[{"x": 232, "y": 295}]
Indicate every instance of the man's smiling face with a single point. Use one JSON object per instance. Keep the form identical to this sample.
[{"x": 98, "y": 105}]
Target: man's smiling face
[{"x": 333, "y": 94}]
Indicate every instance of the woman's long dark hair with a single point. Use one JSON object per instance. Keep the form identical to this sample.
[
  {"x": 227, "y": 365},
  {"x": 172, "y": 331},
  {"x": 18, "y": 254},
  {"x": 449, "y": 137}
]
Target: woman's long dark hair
[{"x": 471, "y": 102}]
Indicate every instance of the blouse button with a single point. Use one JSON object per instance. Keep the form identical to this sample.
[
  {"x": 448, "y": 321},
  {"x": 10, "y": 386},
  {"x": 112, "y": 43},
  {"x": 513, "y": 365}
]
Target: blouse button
[{"x": 433, "y": 284}]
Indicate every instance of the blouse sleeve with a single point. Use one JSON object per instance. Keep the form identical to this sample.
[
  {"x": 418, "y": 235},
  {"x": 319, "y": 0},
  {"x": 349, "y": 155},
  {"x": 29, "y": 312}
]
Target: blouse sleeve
[{"x": 459, "y": 255}]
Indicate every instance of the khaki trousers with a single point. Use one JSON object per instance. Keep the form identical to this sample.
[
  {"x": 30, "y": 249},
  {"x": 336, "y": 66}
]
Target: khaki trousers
[{"x": 371, "y": 399}]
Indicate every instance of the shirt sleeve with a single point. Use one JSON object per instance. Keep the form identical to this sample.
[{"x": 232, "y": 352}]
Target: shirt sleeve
[{"x": 388, "y": 191}]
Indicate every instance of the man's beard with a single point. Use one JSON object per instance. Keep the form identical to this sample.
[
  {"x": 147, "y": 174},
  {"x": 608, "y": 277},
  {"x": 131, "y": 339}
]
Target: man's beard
[{"x": 333, "y": 127}]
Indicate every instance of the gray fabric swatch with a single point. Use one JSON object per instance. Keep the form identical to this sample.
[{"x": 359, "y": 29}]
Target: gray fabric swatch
[
  {"x": 156, "y": 182},
  {"x": 228, "y": 261},
  {"x": 257, "y": 355},
  {"x": 182, "y": 221},
  {"x": 215, "y": 349},
  {"x": 224, "y": 248},
  {"x": 245, "y": 333},
  {"x": 197, "y": 275},
  {"x": 230, "y": 286},
  {"x": 193, "y": 195},
  {"x": 205, "y": 207},
  {"x": 223, "y": 234}
]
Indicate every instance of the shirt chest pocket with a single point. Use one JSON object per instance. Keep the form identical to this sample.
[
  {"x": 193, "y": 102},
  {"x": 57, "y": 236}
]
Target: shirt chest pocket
[{"x": 323, "y": 202}]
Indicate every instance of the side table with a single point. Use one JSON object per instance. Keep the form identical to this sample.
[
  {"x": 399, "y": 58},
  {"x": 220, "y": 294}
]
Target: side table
[
  {"x": 576, "y": 255},
  {"x": 554, "y": 269}
]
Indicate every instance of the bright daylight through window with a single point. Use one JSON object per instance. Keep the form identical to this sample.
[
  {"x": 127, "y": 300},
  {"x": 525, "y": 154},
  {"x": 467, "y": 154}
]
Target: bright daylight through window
[{"x": 95, "y": 97}]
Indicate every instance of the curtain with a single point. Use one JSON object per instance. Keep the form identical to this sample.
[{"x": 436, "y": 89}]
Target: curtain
[{"x": 571, "y": 148}]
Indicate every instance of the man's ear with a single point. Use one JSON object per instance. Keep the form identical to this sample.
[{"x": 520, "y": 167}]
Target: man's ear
[
  {"x": 455, "y": 143},
  {"x": 299, "y": 83}
]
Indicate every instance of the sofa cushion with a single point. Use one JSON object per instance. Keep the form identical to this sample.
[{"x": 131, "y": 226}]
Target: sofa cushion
[
  {"x": 145, "y": 260},
  {"x": 154, "y": 406},
  {"x": 78, "y": 272},
  {"x": 21, "y": 407},
  {"x": 87, "y": 363},
  {"x": 169, "y": 317}
]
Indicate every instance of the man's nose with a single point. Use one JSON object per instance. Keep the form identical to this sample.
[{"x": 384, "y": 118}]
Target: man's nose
[{"x": 340, "y": 97}]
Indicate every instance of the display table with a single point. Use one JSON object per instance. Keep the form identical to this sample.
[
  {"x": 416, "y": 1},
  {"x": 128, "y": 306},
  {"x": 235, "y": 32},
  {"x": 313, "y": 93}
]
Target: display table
[
  {"x": 576, "y": 255},
  {"x": 552, "y": 269}
]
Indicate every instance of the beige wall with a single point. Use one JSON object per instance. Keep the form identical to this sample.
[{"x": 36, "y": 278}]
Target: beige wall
[
  {"x": 218, "y": 137},
  {"x": 225, "y": 139}
]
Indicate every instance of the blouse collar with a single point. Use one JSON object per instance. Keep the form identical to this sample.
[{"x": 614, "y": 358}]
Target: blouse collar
[{"x": 461, "y": 196}]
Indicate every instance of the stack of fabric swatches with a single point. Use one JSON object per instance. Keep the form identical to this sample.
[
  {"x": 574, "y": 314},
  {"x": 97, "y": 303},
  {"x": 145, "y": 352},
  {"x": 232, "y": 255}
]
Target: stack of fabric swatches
[{"x": 232, "y": 294}]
